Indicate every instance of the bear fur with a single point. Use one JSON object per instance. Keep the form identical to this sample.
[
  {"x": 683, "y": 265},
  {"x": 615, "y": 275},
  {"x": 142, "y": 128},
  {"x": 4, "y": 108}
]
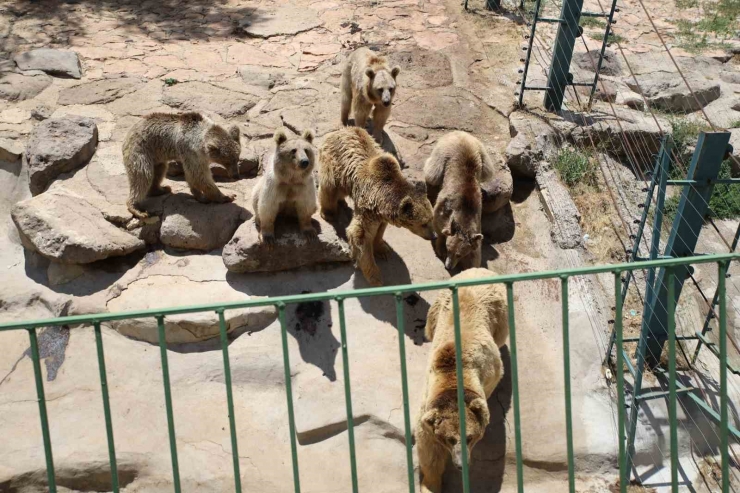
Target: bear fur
[
  {"x": 287, "y": 185},
  {"x": 188, "y": 138},
  {"x": 484, "y": 329},
  {"x": 352, "y": 164},
  {"x": 453, "y": 174},
  {"x": 367, "y": 82}
]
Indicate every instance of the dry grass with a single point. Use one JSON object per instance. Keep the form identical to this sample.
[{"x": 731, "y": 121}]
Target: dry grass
[
  {"x": 632, "y": 488},
  {"x": 597, "y": 214}
]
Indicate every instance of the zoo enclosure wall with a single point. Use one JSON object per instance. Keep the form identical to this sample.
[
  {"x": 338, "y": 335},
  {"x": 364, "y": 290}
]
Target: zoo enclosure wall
[{"x": 280, "y": 303}]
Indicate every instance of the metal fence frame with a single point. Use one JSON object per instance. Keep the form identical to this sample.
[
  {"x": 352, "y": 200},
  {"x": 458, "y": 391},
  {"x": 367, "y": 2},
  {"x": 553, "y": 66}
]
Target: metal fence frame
[{"x": 397, "y": 292}]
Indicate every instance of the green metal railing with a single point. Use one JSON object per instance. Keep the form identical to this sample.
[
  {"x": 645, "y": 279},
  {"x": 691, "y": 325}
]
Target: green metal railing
[{"x": 397, "y": 292}]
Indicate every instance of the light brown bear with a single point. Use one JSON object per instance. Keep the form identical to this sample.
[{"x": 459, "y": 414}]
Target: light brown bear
[
  {"x": 287, "y": 185},
  {"x": 188, "y": 138},
  {"x": 484, "y": 329},
  {"x": 367, "y": 82},
  {"x": 453, "y": 173},
  {"x": 352, "y": 164}
]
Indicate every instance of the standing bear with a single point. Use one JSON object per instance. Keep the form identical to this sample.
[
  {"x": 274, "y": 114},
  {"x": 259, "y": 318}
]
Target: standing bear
[
  {"x": 453, "y": 173},
  {"x": 367, "y": 82},
  {"x": 287, "y": 185},
  {"x": 484, "y": 328},
  {"x": 188, "y": 138},
  {"x": 352, "y": 164}
]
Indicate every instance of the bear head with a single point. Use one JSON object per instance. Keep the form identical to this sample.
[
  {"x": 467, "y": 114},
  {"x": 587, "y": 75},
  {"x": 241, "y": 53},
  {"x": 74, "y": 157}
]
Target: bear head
[
  {"x": 224, "y": 147},
  {"x": 294, "y": 157},
  {"x": 415, "y": 213},
  {"x": 459, "y": 243},
  {"x": 381, "y": 82}
]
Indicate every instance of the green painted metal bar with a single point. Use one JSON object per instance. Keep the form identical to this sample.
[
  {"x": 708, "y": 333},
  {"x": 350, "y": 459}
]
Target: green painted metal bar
[
  {"x": 515, "y": 388},
  {"x": 562, "y": 52},
  {"x": 623, "y": 471},
  {"x": 673, "y": 418},
  {"x": 713, "y": 348},
  {"x": 369, "y": 292},
  {"x": 106, "y": 408},
  {"x": 724, "y": 404},
  {"x": 529, "y": 51},
  {"x": 168, "y": 402},
  {"x": 551, "y": 20},
  {"x": 461, "y": 408},
  {"x": 594, "y": 14},
  {"x": 709, "y": 181},
  {"x": 566, "y": 376},
  {"x": 348, "y": 394},
  {"x": 404, "y": 388},
  {"x": 38, "y": 376},
  {"x": 289, "y": 396},
  {"x": 678, "y": 338},
  {"x": 647, "y": 396},
  {"x": 229, "y": 399},
  {"x": 604, "y": 42}
]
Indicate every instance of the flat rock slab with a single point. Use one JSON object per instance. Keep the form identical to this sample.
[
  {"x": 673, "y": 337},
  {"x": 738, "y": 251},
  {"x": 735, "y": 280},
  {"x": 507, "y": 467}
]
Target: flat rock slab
[
  {"x": 99, "y": 91},
  {"x": 188, "y": 224},
  {"x": 19, "y": 87},
  {"x": 669, "y": 92},
  {"x": 286, "y": 20},
  {"x": 68, "y": 229},
  {"x": 59, "y": 145},
  {"x": 245, "y": 252},
  {"x": 422, "y": 69},
  {"x": 201, "y": 96},
  {"x": 54, "y": 62},
  {"x": 588, "y": 60},
  {"x": 10, "y": 150},
  {"x": 533, "y": 139}
]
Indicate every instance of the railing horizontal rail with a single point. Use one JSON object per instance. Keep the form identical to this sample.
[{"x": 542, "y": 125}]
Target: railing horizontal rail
[{"x": 360, "y": 293}]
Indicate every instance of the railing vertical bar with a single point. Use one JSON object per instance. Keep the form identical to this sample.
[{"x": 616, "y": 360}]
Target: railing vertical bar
[
  {"x": 723, "y": 399},
  {"x": 289, "y": 396},
  {"x": 168, "y": 402},
  {"x": 405, "y": 389},
  {"x": 672, "y": 377},
  {"x": 106, "y": 407},
  {"x": 618, "y": 329},
  {"x": 515, "y": 388},
  {"x": 42, "y": 409},
  {"x": 229, "y": 399},
  {"x": 566, "y": 376},
  {"x": 460, "y": 390},
  {"x": 348, "y": 395}
]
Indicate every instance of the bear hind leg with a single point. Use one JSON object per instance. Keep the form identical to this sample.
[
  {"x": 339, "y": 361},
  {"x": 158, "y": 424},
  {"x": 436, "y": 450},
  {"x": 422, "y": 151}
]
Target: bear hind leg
[
  {"x": 361, "y": 235},
  {"x": 160, "y": 171},
  {"x": 381, "y": 249},
  {"x": 140, "y": 171}
]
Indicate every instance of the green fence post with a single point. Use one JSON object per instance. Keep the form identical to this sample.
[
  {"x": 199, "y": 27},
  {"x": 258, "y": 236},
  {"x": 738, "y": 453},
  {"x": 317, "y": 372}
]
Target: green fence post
[
  {"x": 515, "y": 388},
  {"x": 460, "y": 390},
  {"x": 559, "y": 75},
  {"x": 566, "y": 376},
  {"x": 723, "y": 399},
  {"x": 42, "y": 409},
  {"x": 106, "y": 407},
  {"x": 405, "y": 388},
  {"x": 289, "y": 396},
  {"x": 168, "y": 401},
  {"x": 672, "y": 376},
  {"x": 618, "y": 329},
  {"x": 229, "y": 399},
  {"x": 348, "y": 395}
]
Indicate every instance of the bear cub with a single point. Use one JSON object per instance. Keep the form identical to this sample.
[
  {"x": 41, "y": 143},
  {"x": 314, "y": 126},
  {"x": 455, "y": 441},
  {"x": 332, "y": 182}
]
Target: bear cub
[
  {"x": 368, "y": 82},
  {"x": 287, "y": 185},
  {"x": 459, "y": 163},
  {"x": 484, "y": 329},
  {"x": 188, "y": 138},
  {"x": 352, "y": 164}
]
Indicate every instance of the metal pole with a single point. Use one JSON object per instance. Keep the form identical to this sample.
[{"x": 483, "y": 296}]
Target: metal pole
[
  {"x": 529, "y": 50},
  {"x": 607, "y": 32},
  {"x": 562, "y": 52}
]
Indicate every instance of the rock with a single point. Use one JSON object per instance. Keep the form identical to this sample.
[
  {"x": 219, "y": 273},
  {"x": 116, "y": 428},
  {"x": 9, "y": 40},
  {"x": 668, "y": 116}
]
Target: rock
[
  {"x": 284, "y": 21},
  {"x": 422, "y": 69},
  {"x": 730, "y": 76},
  {"x": 19, "y": 87},
  {"x": 99, "y": 91},
  {"x": 588, "y": 60},
  {"x": 201, "y": 96},
  {"x": 736, "y": 105},
  {"x": 10, "y": 150},
  {"x": 561, "y": 209},
  {"x": 266, "y": 80},
  {"x": 187, "y": 224},
  {"x": 533, "y": 140},
  {"x": 321, "y": 117},
  {"x": 245, "y": 252},
  {"x": 606, "y": 90},
  {"x": 54, "y": 62},
  {"x": 59, "y": 145},
  {"x": 68, "y": 229},
  {"x": 497, "y": 191},
  {"x": 41, "y": 112},
  {"x": 630, "y": 99},
  {"x": 669, "y": 92},
  {"x": 498, "y": 226}
]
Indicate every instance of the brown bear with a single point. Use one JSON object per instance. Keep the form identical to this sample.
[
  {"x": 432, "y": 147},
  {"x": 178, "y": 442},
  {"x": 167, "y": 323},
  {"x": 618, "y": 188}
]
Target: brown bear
[
  {"x": 367, "y": 82},
  {"x": 188, "y": 138},
  {"x": 484, "y": 328},
  {"x": 352, "y": 164},
  {"x": 453, "y": 173},
  {"x": 287, "y": 185}
]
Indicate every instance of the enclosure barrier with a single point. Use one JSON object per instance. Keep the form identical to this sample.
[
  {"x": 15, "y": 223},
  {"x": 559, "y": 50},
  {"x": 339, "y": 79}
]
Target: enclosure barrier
[{"x": 670, "y": 266}]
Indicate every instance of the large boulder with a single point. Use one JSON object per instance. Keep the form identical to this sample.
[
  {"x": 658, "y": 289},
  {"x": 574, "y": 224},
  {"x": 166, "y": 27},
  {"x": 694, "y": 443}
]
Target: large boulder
[
  {"x": 589, "y": 59},
  {"x": 669, "y": 92},
  {"x": 99, "y": 91},
  {"x": 245, "y": 252},
  {"x": 68, "y": 229},
  {"x": 284, "y": 21},
  {"x": 532, "y": 140},
  {"x": 61, "y": 63},
  {"x": 497, "y": 191},
  {"x": 188, "y": 224},
  {"x": 201, "y": 96},
  {"x": 19, "y": 87}
]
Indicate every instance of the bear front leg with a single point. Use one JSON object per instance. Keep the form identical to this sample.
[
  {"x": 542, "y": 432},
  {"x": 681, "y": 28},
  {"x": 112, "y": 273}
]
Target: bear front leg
[
  {"x": 305, "y": 208},
  {"x": 362, "y": 111},
  {"x": 381, "y": 249},
  {"x": 328, "y": 202},
  {"x": 440, "y": 246},
  {"x": 265, "y": 217},
  {"x": 380, "y": 116},
  {"x": 361, "y": 234},
  {"x": 432, "y": 461}
]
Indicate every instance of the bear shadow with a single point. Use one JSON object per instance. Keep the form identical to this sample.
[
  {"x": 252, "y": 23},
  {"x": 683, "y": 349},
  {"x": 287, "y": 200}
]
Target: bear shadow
[{"x": 488, "y": 461}]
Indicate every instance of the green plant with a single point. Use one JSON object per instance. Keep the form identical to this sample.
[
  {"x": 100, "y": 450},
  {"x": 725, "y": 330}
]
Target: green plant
[
  {"x": 592, "y": 22},
  {"x": 725, "y": 200},
  {"x": 576, "y": 167},
  {"x": 613, "y": 37},
  {"x": 735, "y": 124},
  {"x": 685, "y": 133},
  {"x": 718, "y": 21},
  {"x": 170, "y": 81}
]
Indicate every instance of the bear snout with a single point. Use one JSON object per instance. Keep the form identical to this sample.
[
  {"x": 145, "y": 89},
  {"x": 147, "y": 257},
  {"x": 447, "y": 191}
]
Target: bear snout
[{"x": 303, "y": 163}]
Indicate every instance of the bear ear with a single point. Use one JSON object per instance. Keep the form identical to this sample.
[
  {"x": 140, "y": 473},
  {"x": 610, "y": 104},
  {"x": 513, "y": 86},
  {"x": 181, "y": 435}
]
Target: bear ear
[
  {"x": 395, "y": 71},
  {"x": 407, "y": 207},
  {"x": 429, "y": 419},
  {"x": 446, "y": 231},
  {"x": 280, "y": 136},
  {"x": 480, "y": 409},
  {"x": 477, "y": 238},
  {"x": 308, "y": 136},
  {"x": 370, "y": 73},
  {"x": 234, "y": 132}
]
